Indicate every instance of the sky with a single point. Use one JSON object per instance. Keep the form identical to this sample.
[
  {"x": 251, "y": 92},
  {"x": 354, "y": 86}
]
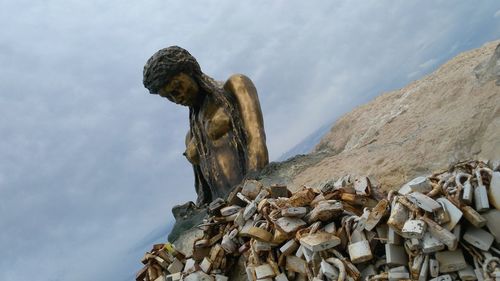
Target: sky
[{"x": 91, "y": 164}]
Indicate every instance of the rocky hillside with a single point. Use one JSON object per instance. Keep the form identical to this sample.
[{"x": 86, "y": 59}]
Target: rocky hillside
[{"x": 451, "y": 115}]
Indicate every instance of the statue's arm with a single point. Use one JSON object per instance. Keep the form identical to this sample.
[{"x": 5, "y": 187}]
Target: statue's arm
[{"x": 251, "y": 114}]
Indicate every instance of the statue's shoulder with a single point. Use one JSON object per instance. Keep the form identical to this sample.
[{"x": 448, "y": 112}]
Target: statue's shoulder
[
  {"x": 245, "y": 93},
  {"x": 238, "y": 80},
  {"x": 241, "y": 87}
]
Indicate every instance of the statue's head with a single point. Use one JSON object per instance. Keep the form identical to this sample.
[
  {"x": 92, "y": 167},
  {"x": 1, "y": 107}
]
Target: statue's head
[{"x": 171, "y": 73}]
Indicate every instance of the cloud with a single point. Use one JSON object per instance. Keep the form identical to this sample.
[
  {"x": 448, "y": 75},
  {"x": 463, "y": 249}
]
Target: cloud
[
  {"x": 91, "y": 163},
  {"x": 497, "y": 14},
  {"x": 428, "y": 63},
  {"x": 413, "y": 74}
]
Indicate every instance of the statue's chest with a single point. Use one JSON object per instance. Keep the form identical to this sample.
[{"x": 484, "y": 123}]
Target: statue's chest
[
  {"x": 212, "y": 140},
  {"x": 215, "y": 121}
]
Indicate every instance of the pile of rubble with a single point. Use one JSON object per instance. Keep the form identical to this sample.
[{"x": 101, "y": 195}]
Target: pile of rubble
[{"x": 442, "y": 227}]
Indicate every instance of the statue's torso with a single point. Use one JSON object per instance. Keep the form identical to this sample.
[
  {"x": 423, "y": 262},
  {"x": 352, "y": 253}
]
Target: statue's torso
[{"x": 217, "y": 147}]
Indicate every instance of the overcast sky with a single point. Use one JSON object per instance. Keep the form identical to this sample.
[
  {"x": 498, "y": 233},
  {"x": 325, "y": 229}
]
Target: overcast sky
[{"x": 91, "y": 164}]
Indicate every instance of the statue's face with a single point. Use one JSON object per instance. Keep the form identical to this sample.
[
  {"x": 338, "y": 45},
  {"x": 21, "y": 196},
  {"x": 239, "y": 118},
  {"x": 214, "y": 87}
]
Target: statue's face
[{"x": 181, "y": 89}]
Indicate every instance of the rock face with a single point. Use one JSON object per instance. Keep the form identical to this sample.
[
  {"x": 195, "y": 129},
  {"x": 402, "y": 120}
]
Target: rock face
[
  {"x": 186, "y": 216},
  {"x": 489, "y": 70},
  {"x": 451, "y": 115}
]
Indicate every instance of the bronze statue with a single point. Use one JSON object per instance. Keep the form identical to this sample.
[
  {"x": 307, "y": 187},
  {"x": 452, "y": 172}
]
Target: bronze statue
[{"x": 226, "y": 138}]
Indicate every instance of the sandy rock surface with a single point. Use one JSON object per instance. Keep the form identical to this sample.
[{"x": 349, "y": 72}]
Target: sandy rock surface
[{"x": 448, "y": 116}]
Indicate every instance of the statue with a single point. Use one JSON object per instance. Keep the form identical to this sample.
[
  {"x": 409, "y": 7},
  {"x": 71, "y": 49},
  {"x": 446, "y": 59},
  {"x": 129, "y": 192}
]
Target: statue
[{"x": 226, "y": 138}]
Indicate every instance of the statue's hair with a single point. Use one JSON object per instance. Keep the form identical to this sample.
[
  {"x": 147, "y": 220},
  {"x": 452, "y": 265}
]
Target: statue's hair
[
  {"x": 168, "y": 62},
  {"x": 165, "y": 64}
]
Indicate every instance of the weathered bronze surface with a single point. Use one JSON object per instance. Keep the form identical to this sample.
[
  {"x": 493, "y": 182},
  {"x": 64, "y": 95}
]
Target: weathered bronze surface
[{"x": 226, "y": 138}]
